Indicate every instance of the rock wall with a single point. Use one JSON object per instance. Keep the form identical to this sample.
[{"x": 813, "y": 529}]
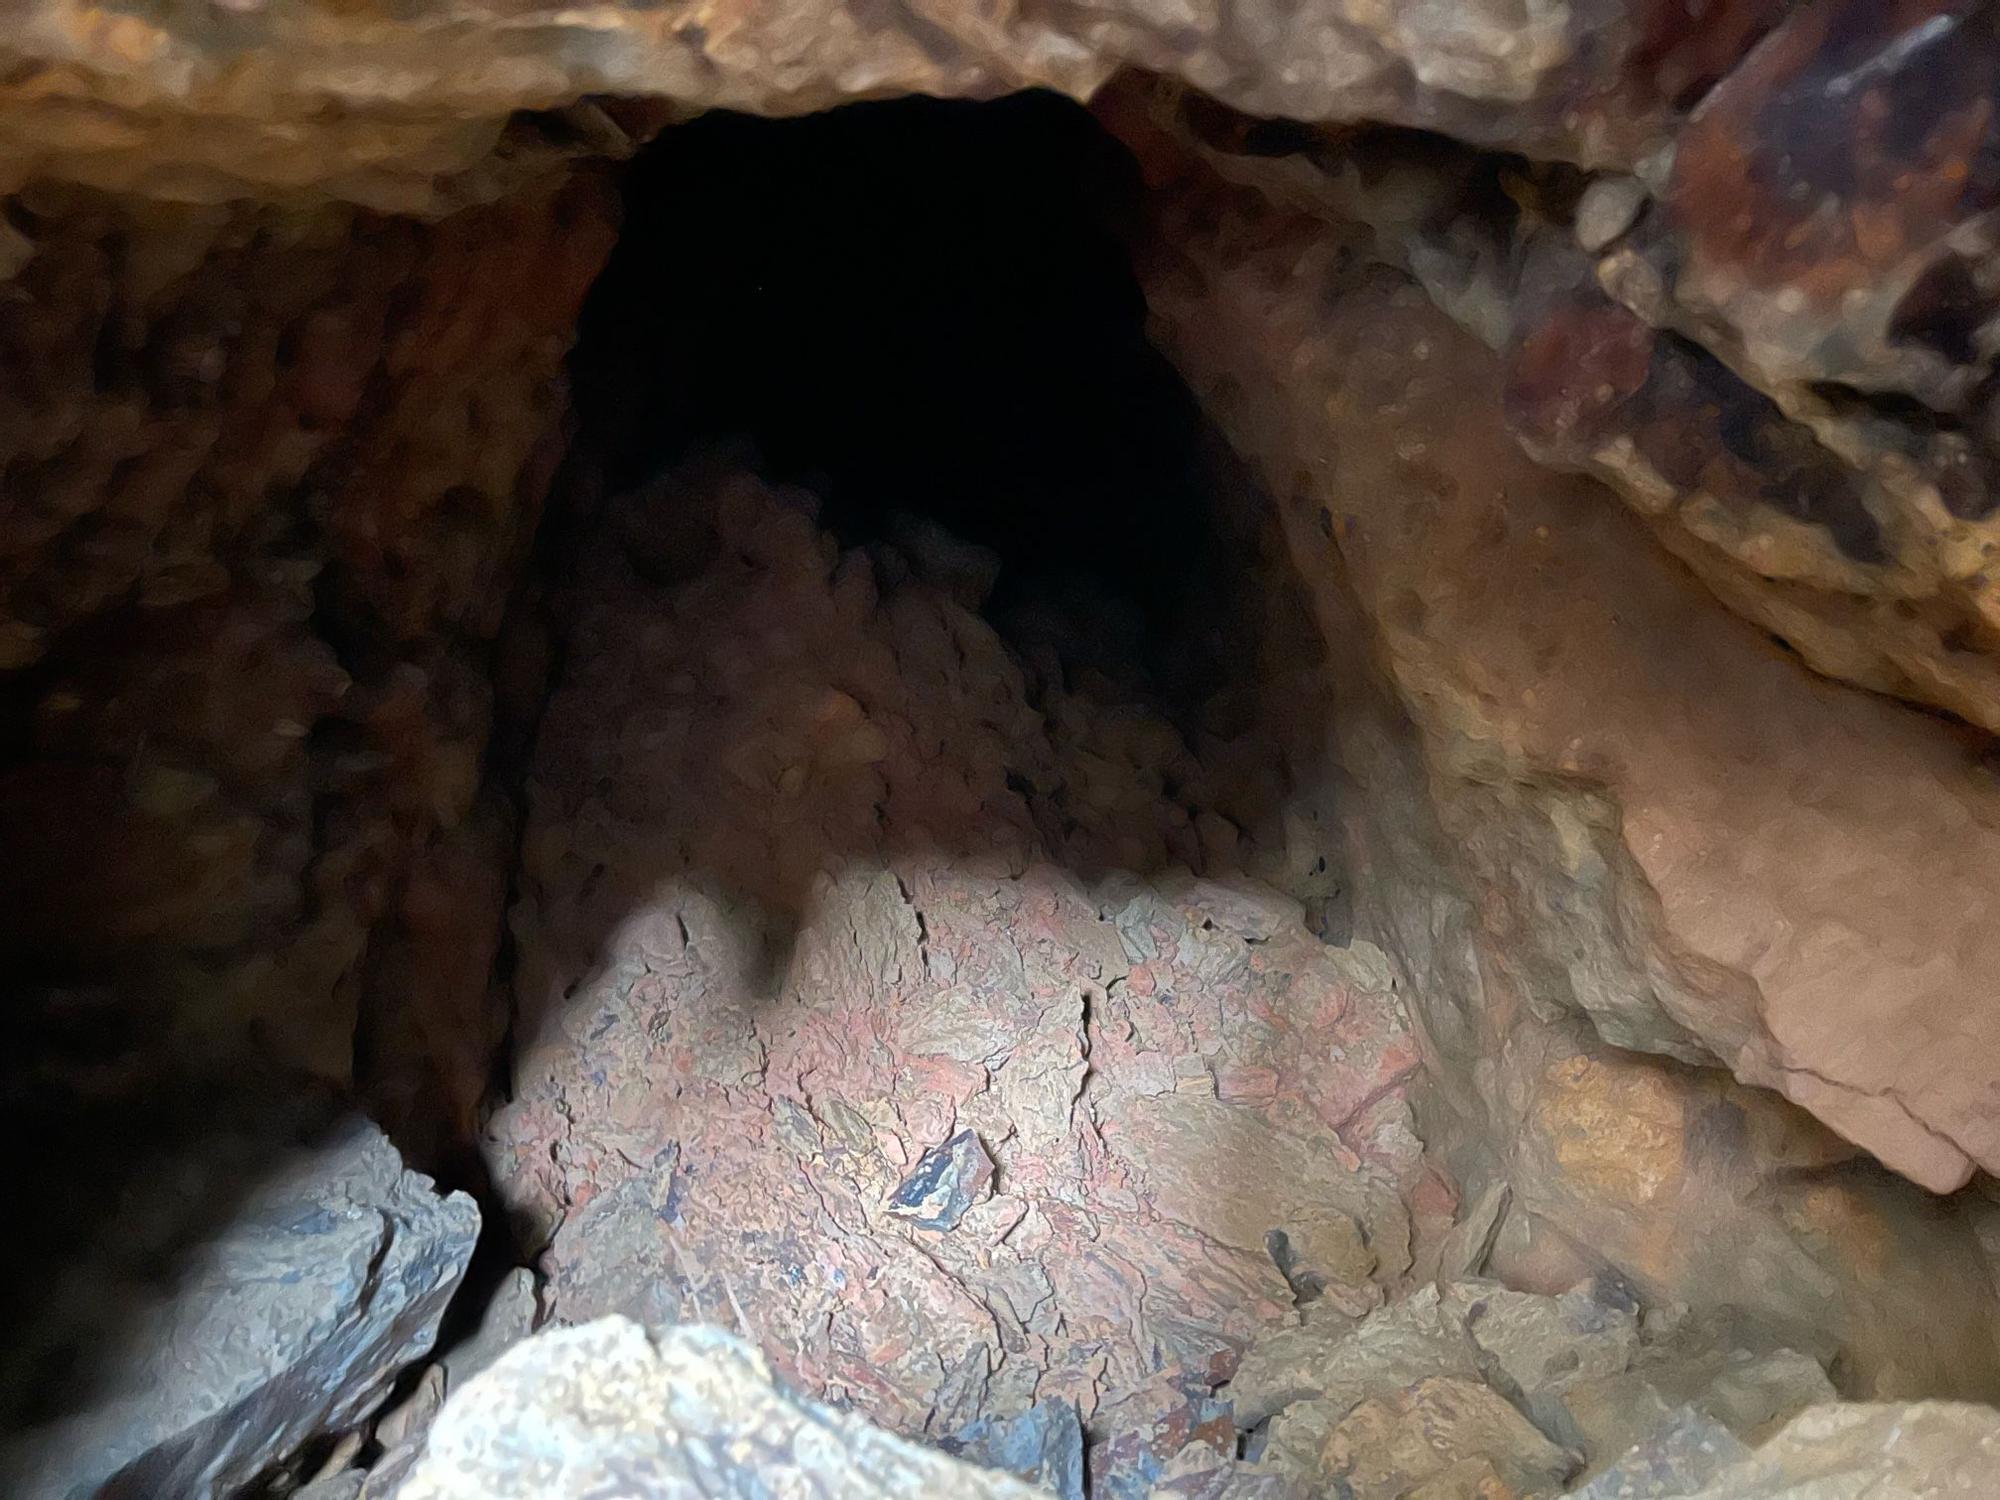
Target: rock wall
[
  {"x": 270, "y": 479},
  {"x": 285, "y": 291},
  {"x": 1774, "y": 337},
  {"x": 1590, "y": 807}
]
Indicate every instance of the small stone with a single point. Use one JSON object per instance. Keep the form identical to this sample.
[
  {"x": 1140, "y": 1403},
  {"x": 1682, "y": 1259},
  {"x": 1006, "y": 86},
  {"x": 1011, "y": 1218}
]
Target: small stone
[
  {"x": 509, "y": 1318},
  {"x": 1607, "y": 209},
  {"x": 1043, "y": 1445},
  {"x": 1470, "y": 1240},
  {"x": 947, "y": 1181},
  {"x": 410, "y": 1418}
]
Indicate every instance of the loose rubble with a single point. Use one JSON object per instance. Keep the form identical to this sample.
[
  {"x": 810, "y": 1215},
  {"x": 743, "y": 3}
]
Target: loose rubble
[
  {"x": 289, "y": 1322},
  {"x": 866, "y": 1003},
  {"x": 1364, "y": 1414}
]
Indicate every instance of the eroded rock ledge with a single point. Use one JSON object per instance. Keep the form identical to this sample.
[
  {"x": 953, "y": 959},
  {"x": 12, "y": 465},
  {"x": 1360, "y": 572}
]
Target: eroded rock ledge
[{"x": 222, "y": 96}]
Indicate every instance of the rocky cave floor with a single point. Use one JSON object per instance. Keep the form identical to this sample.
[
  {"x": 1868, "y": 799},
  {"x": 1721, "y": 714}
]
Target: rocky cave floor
[{"x": 918, "y": 1003}]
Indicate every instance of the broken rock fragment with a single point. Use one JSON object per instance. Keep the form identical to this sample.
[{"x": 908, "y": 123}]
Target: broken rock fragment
[
  {"x": 290, "y": 1322},
  {"x": 948, "y": 1180},
  {"x": 692, "y": 1414},
  {"x": 1533, "y": 1349},
  {"x": 1042, "y": 1446},
  {"x": 1440, "y": 1432},
  {"x": 1329, "y": 1358},
  {"x": 1171, "y": 1427},
  {"x": 1686, "y": 1452}
]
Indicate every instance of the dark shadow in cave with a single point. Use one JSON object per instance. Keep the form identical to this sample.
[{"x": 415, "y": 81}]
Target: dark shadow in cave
[
  {"x": 924, "y": 310},
  {"x": 919, "y": 306}
]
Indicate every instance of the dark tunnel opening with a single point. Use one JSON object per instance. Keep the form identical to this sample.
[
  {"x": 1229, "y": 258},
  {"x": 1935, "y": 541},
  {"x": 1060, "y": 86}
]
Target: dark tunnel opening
[{"x": 916, "y": 308}]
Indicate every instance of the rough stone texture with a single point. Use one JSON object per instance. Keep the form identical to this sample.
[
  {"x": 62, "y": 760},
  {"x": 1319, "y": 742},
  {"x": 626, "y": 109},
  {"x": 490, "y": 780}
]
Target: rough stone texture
[
  {"x": 1042, "y": 1446},
  {"x": 1682, "y": 1455},
  {"x": 1657, "y": 820},
  {"x": 693, "y": 1414},
  {"x": 270, "y": 477},
  {"x": 1336, "y": 1360},
  {"x": 809, "y": 888},
  {"x": 289, "y": 1321},
  {"x": 1745, "y": 1392},
  {"x": 1832, "y": 205},
  {"x": 1938, "y": 1450},
  {"x": 1440, "y": 1431},
  {"x": 1473, "y": 1385},
  {"x": 284, "y": 95},
  {"x": 1784, "y": 362},
  {"x": 1472, "y": 1391},
  {"x": 1534, "y": 1349}
]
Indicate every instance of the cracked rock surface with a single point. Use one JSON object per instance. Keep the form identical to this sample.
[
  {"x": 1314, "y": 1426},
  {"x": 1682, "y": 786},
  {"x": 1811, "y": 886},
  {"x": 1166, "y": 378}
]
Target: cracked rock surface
[{"x": 812, "y": 888}]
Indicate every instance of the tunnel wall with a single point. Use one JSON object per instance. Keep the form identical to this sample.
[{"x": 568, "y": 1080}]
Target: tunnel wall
[{"x": 270, "y": 476}]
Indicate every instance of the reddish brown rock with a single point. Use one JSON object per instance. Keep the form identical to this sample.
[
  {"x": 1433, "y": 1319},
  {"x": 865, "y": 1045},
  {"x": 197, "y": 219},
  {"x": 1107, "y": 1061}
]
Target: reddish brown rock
[
  {"x": 1666, "y": 824},
  {"x": 1831, "y": 202},
  {"x": 270, "y": 476},
  {"x": 404, "y": 109}
]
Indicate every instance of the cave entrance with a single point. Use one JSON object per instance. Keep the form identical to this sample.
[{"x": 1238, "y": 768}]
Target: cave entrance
[{"x": 915, "y": 308}]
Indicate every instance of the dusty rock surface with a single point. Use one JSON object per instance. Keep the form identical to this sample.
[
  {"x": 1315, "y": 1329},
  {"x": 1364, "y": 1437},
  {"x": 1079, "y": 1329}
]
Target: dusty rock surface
[
  {"x": 605, "y": 1409},
  {"x": 290, "y": 1320},
  {"x": 1662, "y": 823},
  {"x": 1775, "y": 342},
  {"x": 866, "y": 1005},
  {"x": 1929, "y": 1448}
]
